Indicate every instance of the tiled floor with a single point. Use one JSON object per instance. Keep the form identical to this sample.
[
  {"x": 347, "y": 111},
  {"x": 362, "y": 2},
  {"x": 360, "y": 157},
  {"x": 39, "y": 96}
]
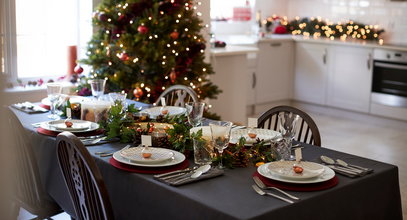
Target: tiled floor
[{"x": 378, "y": 139}]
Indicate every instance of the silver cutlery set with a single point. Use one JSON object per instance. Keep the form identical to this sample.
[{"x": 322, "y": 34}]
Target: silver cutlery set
[
  {"x": 341, "y": 167},
  {"x": 187, "y": 175}
]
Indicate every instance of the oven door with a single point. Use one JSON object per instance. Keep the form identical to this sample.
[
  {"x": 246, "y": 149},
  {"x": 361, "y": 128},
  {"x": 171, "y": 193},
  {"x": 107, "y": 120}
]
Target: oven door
[{"x": 389, "y": 85}]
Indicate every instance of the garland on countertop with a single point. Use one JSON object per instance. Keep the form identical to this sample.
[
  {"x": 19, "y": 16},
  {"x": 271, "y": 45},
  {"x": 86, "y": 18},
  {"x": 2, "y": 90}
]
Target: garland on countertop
[
  {"x": 317, "y": 27},
  {"x": 120, "y": 124}
]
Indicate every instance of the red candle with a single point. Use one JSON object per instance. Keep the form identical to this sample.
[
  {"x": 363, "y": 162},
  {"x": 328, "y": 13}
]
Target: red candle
[{"x": 72, "y": 57}]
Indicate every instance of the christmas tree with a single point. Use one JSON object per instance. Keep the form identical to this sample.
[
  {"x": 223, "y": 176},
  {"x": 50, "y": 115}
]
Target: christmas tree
[{"x": 145, "y": 46}]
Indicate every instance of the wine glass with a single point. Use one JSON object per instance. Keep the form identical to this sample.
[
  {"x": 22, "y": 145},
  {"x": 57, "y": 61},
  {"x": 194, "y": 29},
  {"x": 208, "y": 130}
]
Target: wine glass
[
  {"x": 98, "y": 87},
  {"x": 195, "y": 112},
  {"x": 54, "y": 92},
  {"x": 288, "y": 123},
  {"x": 220, "y": 136}
]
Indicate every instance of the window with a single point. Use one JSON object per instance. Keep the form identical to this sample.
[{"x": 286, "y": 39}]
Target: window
[{"x": 38, "y": 33}]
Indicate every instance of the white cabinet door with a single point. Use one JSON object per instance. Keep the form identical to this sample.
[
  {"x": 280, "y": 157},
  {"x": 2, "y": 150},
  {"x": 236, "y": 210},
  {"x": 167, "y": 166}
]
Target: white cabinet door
[
  {"x": 274, "y": 74},
  {"x": 350, "y": 78},
  {"x": 311, "y": 71},
  {"x": 230, "y": 76}
]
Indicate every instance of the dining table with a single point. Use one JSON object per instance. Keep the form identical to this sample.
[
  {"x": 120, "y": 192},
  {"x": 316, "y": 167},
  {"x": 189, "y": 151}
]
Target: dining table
[{"x": 229, "y": 196}]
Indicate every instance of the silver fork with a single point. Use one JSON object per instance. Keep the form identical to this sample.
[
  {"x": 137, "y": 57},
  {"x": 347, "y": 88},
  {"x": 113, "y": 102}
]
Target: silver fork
[
  {"x": 261, "y": 185},
  {"x": 261, "y": 192}
]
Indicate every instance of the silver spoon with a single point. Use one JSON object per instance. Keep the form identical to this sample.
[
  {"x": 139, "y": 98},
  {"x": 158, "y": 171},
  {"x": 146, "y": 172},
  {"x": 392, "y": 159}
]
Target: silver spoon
[
  {"x": 201, "y": 170},
  {"x": 197, "y": 173}
]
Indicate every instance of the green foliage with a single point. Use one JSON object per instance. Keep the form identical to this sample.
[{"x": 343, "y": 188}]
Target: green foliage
[
  {"x": 149, "y": 45},
  {"x": 179, "y": 136},
  {"x": 240, "y": 155}
]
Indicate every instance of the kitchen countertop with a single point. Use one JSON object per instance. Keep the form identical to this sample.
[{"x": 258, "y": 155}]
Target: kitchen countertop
[
  {"x": 237, "y": 44},
  {"x": 233, "y": 50}
]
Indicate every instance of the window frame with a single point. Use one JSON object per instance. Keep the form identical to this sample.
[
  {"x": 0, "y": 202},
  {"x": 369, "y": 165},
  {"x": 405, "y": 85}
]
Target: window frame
[{"x": 9, "y": 29}]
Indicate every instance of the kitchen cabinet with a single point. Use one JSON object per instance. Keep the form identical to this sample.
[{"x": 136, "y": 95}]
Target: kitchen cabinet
[
  {"x": 350, "y": 78},
  {"x": 274, "y": 75},
  {"x": 234, "y": 67},
  {"x": 311, "y": 72}
]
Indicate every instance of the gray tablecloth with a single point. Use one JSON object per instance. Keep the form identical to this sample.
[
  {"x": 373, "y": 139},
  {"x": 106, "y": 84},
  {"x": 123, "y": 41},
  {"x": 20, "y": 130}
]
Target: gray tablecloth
[{"x": 139, "y": 196}]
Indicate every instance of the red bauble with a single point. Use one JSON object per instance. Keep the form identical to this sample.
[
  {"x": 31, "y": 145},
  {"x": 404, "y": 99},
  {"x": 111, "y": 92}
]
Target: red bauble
[
  {"x": 142, "y": 29},
  {"x": 103, "y": 17},
  {"x": 280, "y": 30},
  {"x": 78, "y": 69},
  {"x": 138, "y": 92},
  {"x": 173, "y": 76},
  {"x": 174, "y": 35},
  {"x": 124, "y": 57}
]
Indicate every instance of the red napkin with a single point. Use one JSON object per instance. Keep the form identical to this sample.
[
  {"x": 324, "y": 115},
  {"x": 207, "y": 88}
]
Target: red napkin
[
  {"x": 80, "y": 134},
  {"x": 299, "y": 187},
  {"x": 45, "y": 106},
  {"x": 149, "y": 170}
]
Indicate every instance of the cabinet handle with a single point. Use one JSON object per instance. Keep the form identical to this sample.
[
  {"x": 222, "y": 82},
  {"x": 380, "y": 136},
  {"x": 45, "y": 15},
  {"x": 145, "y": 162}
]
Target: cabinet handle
[
  {"x": 275, "y": 44},
  {"x": 254, "y": 82},
  {"x": 324, "y": 56},
  {"x": 369, "y": 61}
]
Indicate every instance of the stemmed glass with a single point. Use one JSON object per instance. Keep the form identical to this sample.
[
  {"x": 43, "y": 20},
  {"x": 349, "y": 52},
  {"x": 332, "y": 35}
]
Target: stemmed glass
[
  {"x": 54, "y": 92},
  {"x": 195, "y": 112},
  {"x": 288, "y": 123},
  {"x": 220, "y": 136},
  {"x": 98, "y": 87}
]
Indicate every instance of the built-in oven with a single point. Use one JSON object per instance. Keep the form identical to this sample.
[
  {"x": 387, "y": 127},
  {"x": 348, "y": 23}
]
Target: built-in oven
[{"x": 389, "y": 85}]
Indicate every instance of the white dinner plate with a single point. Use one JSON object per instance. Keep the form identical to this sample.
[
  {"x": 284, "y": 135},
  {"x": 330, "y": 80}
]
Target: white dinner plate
[
  {"x": 285, "y": 169},
  {"x": 262, "y": 134},
  {"x": 178, "y": 158},
  {"x": 327, "y": 175},
  {"x": 156, "y": 111},
  {"x": 77, "y": 127},
  {"x": 158, "y": 155}
]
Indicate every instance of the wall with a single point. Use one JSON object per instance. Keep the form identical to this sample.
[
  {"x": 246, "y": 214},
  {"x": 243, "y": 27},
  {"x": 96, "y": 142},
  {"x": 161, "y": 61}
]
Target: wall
[{"x": 390, "y": 15}]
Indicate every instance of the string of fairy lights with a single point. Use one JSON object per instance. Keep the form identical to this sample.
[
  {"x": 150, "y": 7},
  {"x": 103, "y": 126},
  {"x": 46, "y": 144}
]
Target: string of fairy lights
[
  {"x": 116, "y": 45},
  {"x": 317, "y": 27}
]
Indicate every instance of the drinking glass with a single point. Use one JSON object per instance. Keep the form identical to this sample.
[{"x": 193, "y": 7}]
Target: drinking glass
[
  {"x": 98, "y": 87},
  {"x": 288, "y": 123},
  {"x": 220, "y": 136},
  {"x": 195, "y": 112},
  {"x": 117, "y": 96},
  {"x": 54, "y": 92},
  {"x": 203, "y": 151}
]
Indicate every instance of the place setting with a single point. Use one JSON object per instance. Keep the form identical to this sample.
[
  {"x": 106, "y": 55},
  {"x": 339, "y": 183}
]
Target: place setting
[{"x": 147, "y": 159}]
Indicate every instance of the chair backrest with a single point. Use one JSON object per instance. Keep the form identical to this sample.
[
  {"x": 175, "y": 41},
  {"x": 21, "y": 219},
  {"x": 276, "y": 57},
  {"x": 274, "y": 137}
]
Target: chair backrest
[
  {"x": 29, "y": 191},
  {"x": 307, "y": 131},
  {"x": 83, "y": 179},
  {"x": 178, "y": 95}
]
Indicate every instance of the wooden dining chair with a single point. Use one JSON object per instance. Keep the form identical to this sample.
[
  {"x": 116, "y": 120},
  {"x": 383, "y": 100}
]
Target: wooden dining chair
[
  {"x": 178, "y": 95},
  {"x": 29, "y": 192},
  {"x": 307, "y": 131},
  {"x": 83, "y": 179}
]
